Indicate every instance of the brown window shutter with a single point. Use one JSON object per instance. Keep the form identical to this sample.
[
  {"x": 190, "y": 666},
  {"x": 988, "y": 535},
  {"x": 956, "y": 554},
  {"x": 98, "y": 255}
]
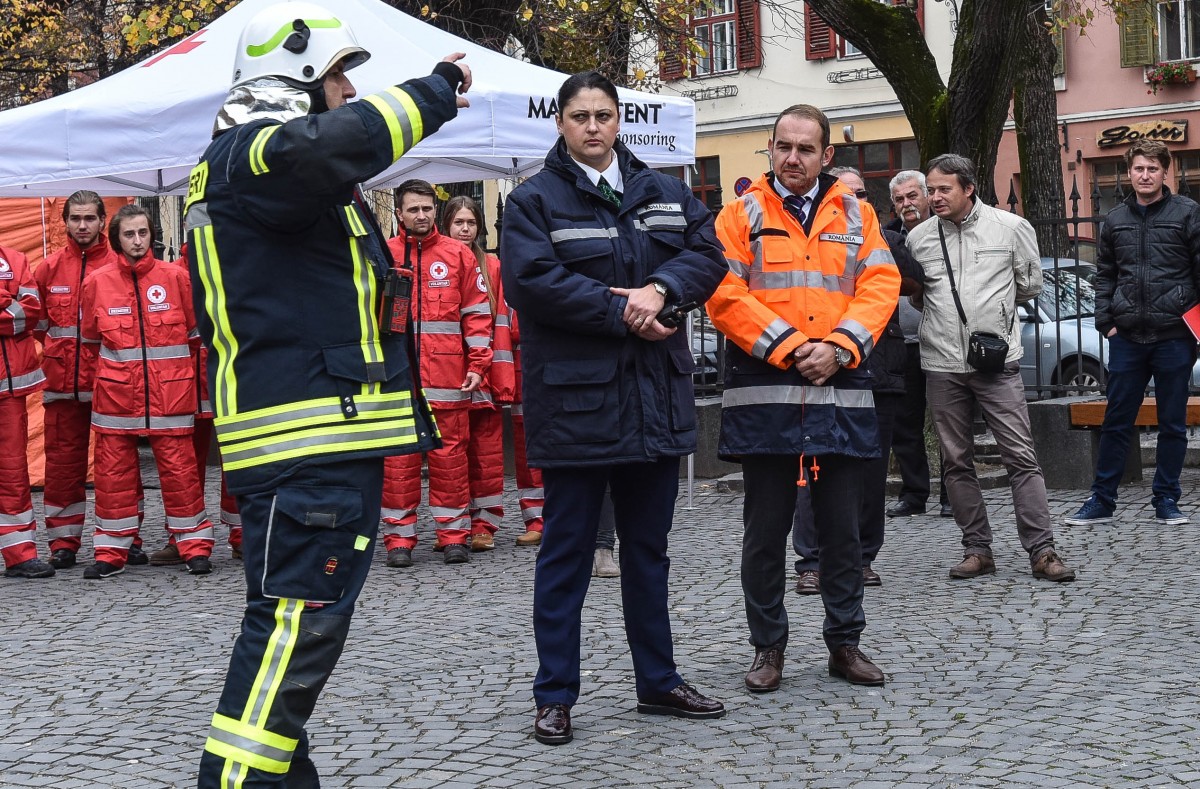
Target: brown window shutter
[
  {"x": 672, "y": 65},
  {"x": 819, "y": 40},
  {"x": 1137, "y": 37},
  {"x": 749, "y": 44}
]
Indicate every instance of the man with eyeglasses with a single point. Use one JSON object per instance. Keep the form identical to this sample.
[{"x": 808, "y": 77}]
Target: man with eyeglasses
[{"x": 885, "y": 366}]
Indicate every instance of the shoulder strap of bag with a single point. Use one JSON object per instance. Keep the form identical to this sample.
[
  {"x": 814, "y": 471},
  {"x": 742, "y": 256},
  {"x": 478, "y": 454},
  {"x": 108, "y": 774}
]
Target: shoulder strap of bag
[{"x": 950, "y": 273}]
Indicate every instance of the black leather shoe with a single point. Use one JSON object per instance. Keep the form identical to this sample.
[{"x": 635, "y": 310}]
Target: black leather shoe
[
  {"x": 947, "y": 511},
  {"x": 399, "y": 557},
  {"x": 456, "y": 553},
  {"x": 34, "y": 568},
  {"x": 62, "y": 559},
  {"x": 552, "y": 726},
  {"x": 137, "y": 557},
  {"x": 199, "y": 565},
  {"x": 102, "y": 570},
  {"x": 870, "y": 577},
  {"x": 903, "y": 510},
  {"x": 682, "y": 701},
  {"x": 766, "y": 672},
  {"x": 808, "y": 582},
  {"x": 849, "y": 663}
]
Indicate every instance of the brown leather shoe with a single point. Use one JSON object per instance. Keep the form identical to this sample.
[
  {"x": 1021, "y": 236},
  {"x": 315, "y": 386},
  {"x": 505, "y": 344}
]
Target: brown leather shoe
[
  {"x": 552, "y": 726},
  {"x": 849, "y": 663},
  {"x": 973, "y": 565},
  {"x": 482, "y": 542},
  {"x": 808, "y": 582},
  {"x": 766, "y": 672},
  {"x": 530, "y": 538},
  {"x": 683, "y": 701},
  {"x": 870, "y": 577},
  {"x": 1049, "y": 567},
  {"x": 166, "y": 556}
]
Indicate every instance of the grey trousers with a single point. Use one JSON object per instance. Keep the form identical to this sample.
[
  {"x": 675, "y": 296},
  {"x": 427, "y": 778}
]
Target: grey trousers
[{"x": 1001, "y": 396}]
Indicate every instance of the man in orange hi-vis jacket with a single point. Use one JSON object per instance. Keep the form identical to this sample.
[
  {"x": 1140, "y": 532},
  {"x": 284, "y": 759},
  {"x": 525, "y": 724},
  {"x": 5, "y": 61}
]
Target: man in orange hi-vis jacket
[{"x": 811, "y": 284}]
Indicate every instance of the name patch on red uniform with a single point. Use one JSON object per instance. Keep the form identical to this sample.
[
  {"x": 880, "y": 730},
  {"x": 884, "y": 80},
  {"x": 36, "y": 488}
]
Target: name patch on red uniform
[
  {"x": 60, "y": 288},
  {"x": 158, "y": 307},
  {"x": 120, "y": 310}
]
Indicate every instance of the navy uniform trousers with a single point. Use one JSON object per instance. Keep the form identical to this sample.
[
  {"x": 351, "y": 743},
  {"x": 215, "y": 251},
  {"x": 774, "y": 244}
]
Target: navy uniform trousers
[
  {"x": 310, "y": 539},
  {"x": 643, "y": 498}
]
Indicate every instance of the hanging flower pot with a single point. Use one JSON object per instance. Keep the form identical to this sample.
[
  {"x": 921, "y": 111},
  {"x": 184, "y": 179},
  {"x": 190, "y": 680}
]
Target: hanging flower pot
[{"x": 1169, "y": 73}]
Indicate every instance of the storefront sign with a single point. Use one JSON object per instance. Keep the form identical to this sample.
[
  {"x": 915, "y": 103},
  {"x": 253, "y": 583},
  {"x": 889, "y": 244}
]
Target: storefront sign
[{"x": 1166, "y": 131}]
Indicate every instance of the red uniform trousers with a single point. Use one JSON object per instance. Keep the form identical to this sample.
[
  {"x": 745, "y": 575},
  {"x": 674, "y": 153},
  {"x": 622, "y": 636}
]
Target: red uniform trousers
[
  {"x": 485, "y": 466},
  {"x": 117, "y": 496},
  {"x": 529, "y": 480},
  {"x": 17, "y": 528},
  {"x": 230, "y": 517},
  {"x": 68, "y": 431},
  {"x": 449, "y": 492}
]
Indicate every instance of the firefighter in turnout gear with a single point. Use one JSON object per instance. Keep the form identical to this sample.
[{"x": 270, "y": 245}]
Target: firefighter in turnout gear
[{"x": 306, "y": 409}]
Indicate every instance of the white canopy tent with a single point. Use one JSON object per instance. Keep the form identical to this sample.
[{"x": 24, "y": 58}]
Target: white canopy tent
[{"x": 139, "y": 132}]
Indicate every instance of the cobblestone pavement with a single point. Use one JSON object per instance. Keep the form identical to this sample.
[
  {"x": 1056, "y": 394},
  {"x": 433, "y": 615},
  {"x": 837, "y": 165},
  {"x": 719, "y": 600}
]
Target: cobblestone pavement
[{"x": 1001, "y": 681}]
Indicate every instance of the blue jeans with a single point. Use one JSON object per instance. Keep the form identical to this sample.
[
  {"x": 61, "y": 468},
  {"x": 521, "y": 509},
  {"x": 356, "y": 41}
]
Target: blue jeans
[{"x": 1131, "y": 365}]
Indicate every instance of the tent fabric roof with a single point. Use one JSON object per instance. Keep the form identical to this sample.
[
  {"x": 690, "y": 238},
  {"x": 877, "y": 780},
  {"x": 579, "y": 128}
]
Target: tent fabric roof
[{"x": 140, "y": 131}]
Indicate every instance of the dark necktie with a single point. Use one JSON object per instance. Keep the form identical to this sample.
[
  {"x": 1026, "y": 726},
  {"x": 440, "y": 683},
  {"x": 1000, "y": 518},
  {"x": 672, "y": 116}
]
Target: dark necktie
[
  {"x": 609, "y": 193},
  {"x": 795, "y": 206}
]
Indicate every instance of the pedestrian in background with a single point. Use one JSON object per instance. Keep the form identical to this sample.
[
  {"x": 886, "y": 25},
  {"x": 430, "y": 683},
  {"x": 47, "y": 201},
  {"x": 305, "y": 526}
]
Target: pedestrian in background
[
  {"x": 979, "y": 264},
  {"x": 1147, "y": 276},
  {"x": 885, "y": 365},
  {"x": 595, "y": 246}
]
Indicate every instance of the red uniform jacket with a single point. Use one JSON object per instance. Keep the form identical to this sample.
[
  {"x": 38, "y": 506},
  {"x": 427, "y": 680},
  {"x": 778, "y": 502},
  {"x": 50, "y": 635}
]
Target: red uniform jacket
[
  {"x": 20, "y": 310},
  {"x": 452, "y": 318},
  {"x": 68, "y": 362},
  {"x": 142, "y": 316}
]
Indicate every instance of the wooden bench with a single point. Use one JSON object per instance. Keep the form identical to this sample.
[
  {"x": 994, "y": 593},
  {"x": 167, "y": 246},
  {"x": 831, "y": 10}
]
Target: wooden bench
[
  {"x": 1066, "y": 435},
  {"x": 1090, "y": 413}
]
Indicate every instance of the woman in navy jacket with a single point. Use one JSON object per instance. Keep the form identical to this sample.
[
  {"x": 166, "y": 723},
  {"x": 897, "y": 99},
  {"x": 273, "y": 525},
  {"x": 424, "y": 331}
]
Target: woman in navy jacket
[{"x": 594, "y": 247}]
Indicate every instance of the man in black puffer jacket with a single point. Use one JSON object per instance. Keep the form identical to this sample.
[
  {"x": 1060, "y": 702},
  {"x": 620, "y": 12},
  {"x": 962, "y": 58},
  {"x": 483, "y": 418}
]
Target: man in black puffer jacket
[{"x": 1149, "y": 275}]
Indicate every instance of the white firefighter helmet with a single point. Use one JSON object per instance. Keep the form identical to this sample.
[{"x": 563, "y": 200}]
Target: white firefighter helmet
[{"x": 296, "y": 42}]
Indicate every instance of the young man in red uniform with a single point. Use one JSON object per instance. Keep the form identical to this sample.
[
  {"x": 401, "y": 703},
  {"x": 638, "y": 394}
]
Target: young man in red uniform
[
  {"x": 452, "y": 329},
  {"x": 140, "y": 311},
  {"x": 69, "y": 364},
  {"x": 20, "y": 376}
]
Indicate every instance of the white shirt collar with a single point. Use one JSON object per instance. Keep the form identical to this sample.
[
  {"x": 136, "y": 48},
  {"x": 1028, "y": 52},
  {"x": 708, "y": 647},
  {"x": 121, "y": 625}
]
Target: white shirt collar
[
  {"x": 612, "y": 174},
  {"x": 784, "y": 192}
]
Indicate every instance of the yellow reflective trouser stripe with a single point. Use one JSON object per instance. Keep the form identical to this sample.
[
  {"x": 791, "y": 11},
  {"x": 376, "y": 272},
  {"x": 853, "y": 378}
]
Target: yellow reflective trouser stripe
[
  {"x": 258, "y": 165},
  {"x": 390, "y": 103},
  {"x": 224, "y": 343},
  {"x": 246, "y": 742},
  {"x": 364, "y": 285}
]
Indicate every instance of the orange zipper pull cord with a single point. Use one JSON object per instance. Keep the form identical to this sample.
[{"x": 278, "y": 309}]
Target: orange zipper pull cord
[
  {"x": 815, "y": 469},
  {"x": 801, "y": 482}
]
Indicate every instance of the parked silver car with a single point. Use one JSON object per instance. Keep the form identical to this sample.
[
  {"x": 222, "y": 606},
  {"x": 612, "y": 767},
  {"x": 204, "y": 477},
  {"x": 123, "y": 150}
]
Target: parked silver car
[{"x": 1061, "y": 327}]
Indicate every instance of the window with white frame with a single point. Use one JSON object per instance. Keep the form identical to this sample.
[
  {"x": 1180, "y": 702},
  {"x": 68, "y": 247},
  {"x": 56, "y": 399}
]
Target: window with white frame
[
  {"x": 1178, "y": 29},
  {"x": 714, "y": 28}
]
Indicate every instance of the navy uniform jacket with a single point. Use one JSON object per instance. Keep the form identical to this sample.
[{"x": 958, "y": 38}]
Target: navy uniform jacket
[
  {"x": 288, "y": 269},
  {"x": 595, "y": 393}
]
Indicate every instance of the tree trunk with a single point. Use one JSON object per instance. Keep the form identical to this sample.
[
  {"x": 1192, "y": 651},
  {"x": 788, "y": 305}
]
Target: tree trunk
[{"x": 1035, "y": 109}]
